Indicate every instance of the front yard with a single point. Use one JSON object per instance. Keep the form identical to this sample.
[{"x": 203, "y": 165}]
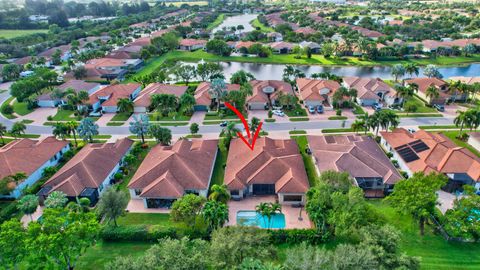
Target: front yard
[{"x": 452, "y": 135}]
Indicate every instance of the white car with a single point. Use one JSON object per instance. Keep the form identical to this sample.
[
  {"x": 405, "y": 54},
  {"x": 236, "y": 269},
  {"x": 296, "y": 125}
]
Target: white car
[{"x": 278, "y": 113}]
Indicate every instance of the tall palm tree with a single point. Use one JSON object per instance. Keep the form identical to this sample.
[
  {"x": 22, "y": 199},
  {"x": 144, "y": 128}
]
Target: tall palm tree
[
  {"x": 358, "y": 125},
  {"x": 217, "y": 91},
  {"x": 460, "y": 119},
  {"x": 87, "y": 129},
  {"x": 267, "y": 210},
  {"x": 60, "y": 130},
  {"x": 72, "y": 129},
  {"x": 254, "y": 125},
  {"x": 3, "y": 131},
  {"x": 125, "y": 105},
  {"x": 412, "y": 68},
  {"x": 432, "y": 93},
  {"x": 229, "y": 131},
  {"x": 398, "y": 71},
  {"x": 219, "y": 193},
  {"x": 405, "y": 92}
]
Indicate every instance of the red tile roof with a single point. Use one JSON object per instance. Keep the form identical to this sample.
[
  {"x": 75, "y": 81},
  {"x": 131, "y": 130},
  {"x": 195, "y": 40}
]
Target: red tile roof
[
  {"x": 202, "y": 97},
  {"x": 260, "y": 96},
  {"x": 143, "y": 99},
  {"x": 114, "y": 92},
  {"x": 168, "y": 171},
  {"x": 316, "y": 90},
  {"x": 272, "y": 161},
  {"x": 89, "y": 167},
  {"x": 27, "y": 156},
  {"x": 368, "y": 87}
]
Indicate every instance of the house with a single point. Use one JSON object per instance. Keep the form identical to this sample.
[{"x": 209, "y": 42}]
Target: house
[
  {"x": 46, "y": 100},
  {"x": 30, "y": 157},
  {"x": 106, "y": 99},
  {"x": 317, "y": 92},
  {"x": 169, "y": 172},
  {"x": 474, "y": 140},
  {"x": 274, "y": 167},
  {"x": 469, "y": 81},
  {"x": 425, "y": 83},
  {"x": 89, "y": 172},
  {"x": 306, "y": 31},
  {"x": 360, "y": 156},
  {"x": 372, "y": 90},
  {"x": 143, "y": 100},
  {"x": 111, "y": 68},
  {"x": 127, "y": 52},
  {"x": 65, "y": 54},
  {"x": 265, "y": 93},
  {"x": 192, "y": 44},
  {"x": 313, "y": 46},
  {"x": 141, "y": 42},
  {"x": 274, "y": 37},
  {"x": 244, "y": 45},
  {"x": 428, "y": 152},
  {"x": 203, "y": 101},
  {"x": 281, "y": 47}
]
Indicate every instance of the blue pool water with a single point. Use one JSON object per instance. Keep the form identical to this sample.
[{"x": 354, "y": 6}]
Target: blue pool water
[{"x": 252, "y": 218}]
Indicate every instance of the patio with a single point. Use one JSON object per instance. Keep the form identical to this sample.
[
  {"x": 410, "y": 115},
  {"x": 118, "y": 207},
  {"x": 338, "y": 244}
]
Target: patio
[
  {"x": 136, "y": 206},
  {"x": 249, "y": 203}
]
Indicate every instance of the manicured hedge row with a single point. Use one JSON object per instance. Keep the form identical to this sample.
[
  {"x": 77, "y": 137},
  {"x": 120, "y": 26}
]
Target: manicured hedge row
[{"x": 143, "y": 233}]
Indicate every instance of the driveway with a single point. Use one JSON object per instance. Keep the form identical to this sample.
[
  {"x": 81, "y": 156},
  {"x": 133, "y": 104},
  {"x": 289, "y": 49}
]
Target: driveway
[
  {"x": 39, "y": 115},
  {"x": 446, "y": 200}
]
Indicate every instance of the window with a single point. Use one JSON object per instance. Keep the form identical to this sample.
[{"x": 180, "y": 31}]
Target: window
[
  {"x": 292, "y": 198},
  {"x": 234, "y": 192},
  {"x": 138, "y": 192}
]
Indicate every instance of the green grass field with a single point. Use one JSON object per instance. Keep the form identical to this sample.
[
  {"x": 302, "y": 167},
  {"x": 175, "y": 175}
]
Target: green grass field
[
  {"x": 220, "y": 162},
  {"x": 145, "y": 219},
  {"x": 8, "y": 33},
  {"x": 307, "y": 160},
  {"x": 452, "y": 135},
  {"x": 21, "y": 108},
  {"x": 217, "y": 22},
  {"x": 257, "y": 24}
]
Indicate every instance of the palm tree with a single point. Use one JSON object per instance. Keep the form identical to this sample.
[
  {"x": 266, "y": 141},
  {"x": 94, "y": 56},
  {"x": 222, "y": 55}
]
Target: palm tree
[
  {"x": 215, "y": 214},
  {"x": 267, "y": 210},
  {"x": 140, "y": 126},
  {"x": 358, "y": 125},
  {"x": 411, "y": 68},
  {"x": 71, "y": 127},
  {"x": 217, "y": 91},
  {"x": 60, "y": 130},
  {"x": 19, "y": 177},
  {"x": 3, "y": 131},
  {"x": 219, "y": 193},
  {"x": 405, "y": 92},
  {"x": 17, "y": 129},
  {"x": 398, "y": 71},
  {"x": 432, "y": 93},
  {"x": 229, "y": 131},
  {"x": 125, "y": 105},
  {"x": 460, "y": 120},
  {"x": 87, "y": 129},
  {"x": 254, "y": 125}
]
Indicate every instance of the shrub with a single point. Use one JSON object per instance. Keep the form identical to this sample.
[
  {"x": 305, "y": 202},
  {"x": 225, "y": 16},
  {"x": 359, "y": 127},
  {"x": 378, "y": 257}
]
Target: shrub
[
  {"x": 389, "y": 154},
  {"x": 118, "y": 176},
  {"x": 50, "y": 118},
  {"x": 296, "y": 236},
  {"x": 338, "y": 112},
  {"x": 143, "y": 233},
  {"x": 7, "y": 109},
  {"x": 8, "y": 212},
  {"x": 270, "y": 114}
]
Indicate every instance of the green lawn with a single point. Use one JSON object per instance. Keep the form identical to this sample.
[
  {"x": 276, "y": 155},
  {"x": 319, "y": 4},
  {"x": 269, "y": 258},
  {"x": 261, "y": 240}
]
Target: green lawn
[
  {"x": 145, "y": 219},
  {"x": 337, "y": 117},
  {"x": 417, "y": 115},
  {"x": 121, "y": 117},
  {"x": 297, "y": 132},
  {"x": 307, "y": 159},
  {"x": 63, "y": 115},
  {"x": 21, "y": 108},
  {"x": 299, "y": 119},
  {"x": 297, "y": 111},
  {"x": 452, "y": 135},
  {"x": 114, "y": 124},
  {"x": 217, "y": 122},
  {"x": 8, "y": 33},
  {"x": 217, "y": 22},
  {"x": 217, "y": 117},
  {"x": 257, "y": 24},
  {"x": 159, "y": 117},
  {"x": 30, "y": 136},
  {"x": 435, "y": 252},
  {"x": 9, "y": 116},
  {"x": 123, "y": 185},
  {"x": 421, "y": 107},
  {"x": 98, "y": 256},
  {"x": 220, "y": 162},
  {"x": 438, "y": 127},
  {"x": 337, "y": 130}
]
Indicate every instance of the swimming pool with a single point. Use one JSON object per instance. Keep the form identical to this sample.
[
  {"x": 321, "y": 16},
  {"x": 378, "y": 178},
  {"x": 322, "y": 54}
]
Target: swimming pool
[{"x": 252, "y": 218}]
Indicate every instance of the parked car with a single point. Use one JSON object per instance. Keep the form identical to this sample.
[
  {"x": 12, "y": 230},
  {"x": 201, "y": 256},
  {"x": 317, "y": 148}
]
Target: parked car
[
  {"x": 320, "y": 108},
  {"x": 439, "y": 107},
  {"x": 224, "y": 124},
  {"x": 311, "y": 109},
  {"x": 278, "y": 113},
  {"x": 411, "y": 130},
  {"x": 95, "y": 114},
  {"x": 377, "y": 107}
]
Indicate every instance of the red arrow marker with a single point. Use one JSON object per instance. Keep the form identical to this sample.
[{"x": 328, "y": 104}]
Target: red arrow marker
[{"x": 247, "y": 129}]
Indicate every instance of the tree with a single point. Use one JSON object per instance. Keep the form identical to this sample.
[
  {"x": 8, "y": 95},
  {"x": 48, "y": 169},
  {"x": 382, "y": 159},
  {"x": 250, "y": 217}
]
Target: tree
[
  {"x": 405, "y": 92},
  {"x": 217, "y": 91},
  {"x": 243, "y": 242},
  {"x": 60, "y": 130},
  {"x": 62, "y": 237},
  {"x": 12, "y": 243},
  {"x": 268, "y": 210},
  {"x": 71, "y": 127},
  {"x": 291, "y": 74},
  {"x": 11, "y": 72},
  {"x": 218, "y": 47},
  {"x": 416, "y": 196},
  {"x": 208, "y": 70},
  {"x": 463, "y": 220},
  {"x": 3, "y": 131},
  {"x": 187, "y": 102},
  {"x": 469, "y": 49},
  {"x": 140, "y": 126},
  {"x": 431, "y": 71},
  {"x": 56, "y": 199},
  {"x": 165, "y": 103},
  {"x": 410, "y": 107},
  {"x": 230, "y": 131},
  {"x": 28, "y": 205},
  {"x": 432, "y": 93},
  {"x": 411, "y": 68},
  {"x": 241, "y": 77},
  {"x": 80, "y": 73},
  {"x": 125, "y": 105},
  {"x": 161, "y": 134},
  {"x": 174, "y": 254},
  {"x": 112, "y": 204},
  {"x": 398, "y": 70},
  {"x": 187, "y": 208},
  {"x": 215, "y": 214},
  {"x": 194, "y": 128},
  {"x": 219, "y": 193},
  {"x": 254, "y": 123},
  {"x": 87, "y": 129},
  {"x": 358, "y": 125},
  {"x": 18, "y": 128},
  {"x": 185, "y": 72}
]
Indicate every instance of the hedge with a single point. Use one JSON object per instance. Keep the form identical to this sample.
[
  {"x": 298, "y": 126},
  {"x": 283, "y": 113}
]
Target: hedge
[
  {"x": 9, "y": 212},
  {"x": 144, "y": 233}
]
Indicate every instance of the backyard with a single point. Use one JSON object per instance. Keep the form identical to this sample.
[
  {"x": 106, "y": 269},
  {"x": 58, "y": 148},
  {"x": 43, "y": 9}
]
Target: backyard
[{"x": 9, "y": 33}]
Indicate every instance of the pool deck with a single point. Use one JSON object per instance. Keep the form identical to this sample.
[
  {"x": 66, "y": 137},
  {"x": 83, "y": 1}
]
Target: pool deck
[{"x": 291, "y": 214}]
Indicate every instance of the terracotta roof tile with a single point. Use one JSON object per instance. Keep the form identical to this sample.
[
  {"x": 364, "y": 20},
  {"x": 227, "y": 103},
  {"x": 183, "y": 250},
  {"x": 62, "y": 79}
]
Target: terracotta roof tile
[
  {"x": 316, "y": 89},
  {"x": 202, "y": 97},
  {"x": 260, "y": 96},
  {"x": 114, "y": 92},
  {"x": 143, "y": 99}
]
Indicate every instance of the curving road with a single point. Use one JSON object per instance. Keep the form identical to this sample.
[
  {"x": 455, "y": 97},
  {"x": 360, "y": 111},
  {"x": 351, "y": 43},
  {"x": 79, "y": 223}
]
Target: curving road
[{"x": 269, "y": 127}]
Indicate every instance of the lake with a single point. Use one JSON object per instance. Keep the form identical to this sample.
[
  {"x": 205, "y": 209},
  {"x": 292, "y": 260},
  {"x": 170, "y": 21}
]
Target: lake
[
  {"x": 275, "y": 72},
  {"x": 243, "y": 19}
]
